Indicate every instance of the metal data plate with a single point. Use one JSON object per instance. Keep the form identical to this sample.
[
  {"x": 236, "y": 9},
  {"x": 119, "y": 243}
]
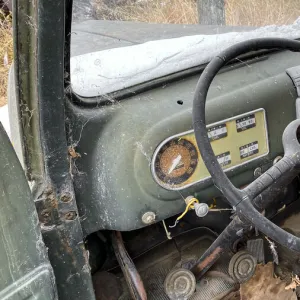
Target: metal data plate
[{"x": 177, "y": 163}]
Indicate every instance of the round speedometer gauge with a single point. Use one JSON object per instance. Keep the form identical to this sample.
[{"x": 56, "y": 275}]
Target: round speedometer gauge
[{"x": 175, "y": 162}]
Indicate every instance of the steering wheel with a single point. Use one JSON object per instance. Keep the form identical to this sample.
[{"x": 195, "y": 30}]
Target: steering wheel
[{"x": 241, "y": 199}]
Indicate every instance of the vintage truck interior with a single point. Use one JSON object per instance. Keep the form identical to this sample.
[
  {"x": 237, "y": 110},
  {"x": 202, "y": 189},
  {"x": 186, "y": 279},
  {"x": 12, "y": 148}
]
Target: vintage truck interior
[{"x": 178, "y": 183}]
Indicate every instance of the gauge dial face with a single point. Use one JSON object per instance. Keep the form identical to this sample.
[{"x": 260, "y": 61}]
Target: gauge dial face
[{"x": 176, "y": 161}]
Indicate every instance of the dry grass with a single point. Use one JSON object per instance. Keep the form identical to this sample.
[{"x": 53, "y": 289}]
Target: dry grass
[
  {"x": 153, "y": 11},
  {"x": 6, "y": 55},
  {"x": 238, "y": 12},
  {"x": 261, "y": 12}
]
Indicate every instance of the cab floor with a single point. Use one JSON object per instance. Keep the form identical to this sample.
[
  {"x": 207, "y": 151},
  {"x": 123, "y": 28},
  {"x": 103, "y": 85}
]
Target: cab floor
[{"x": 154, "y": 266}]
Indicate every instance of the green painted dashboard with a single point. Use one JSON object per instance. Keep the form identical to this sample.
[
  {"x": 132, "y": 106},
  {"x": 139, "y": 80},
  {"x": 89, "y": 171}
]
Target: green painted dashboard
[{"x": 127, "y": 165}]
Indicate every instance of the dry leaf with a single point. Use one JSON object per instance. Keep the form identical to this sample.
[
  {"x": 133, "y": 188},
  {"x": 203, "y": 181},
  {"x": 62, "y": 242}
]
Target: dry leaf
[
  {"x": 295, "y": 282},
  {"x": 291, "y": 286},
  {"x": 263, "y": 285}
]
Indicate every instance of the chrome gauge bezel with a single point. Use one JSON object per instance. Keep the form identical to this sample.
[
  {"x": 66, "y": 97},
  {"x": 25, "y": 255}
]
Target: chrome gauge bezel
[{"x": 161, "y": 145}]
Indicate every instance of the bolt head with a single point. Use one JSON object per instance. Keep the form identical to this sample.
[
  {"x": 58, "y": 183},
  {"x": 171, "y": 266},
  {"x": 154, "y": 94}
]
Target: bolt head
[
  {"x": 45, "y": 216},
  {"x": 67, "y": 197},
  {"x": 257, "y": 172},
  {"x": 70, "y": 215},
  {"x": 148, "y": 217}
]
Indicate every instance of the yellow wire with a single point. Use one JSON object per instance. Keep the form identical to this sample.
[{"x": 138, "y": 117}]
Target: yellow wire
[
  {"x": 214, "y": 204},
  {"x": 191, "y": 206},
  {"x": 188, "y": 207}
]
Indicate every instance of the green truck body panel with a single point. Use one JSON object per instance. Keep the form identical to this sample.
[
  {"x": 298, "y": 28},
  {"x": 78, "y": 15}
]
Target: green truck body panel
[{"x": 25, "y": 271}]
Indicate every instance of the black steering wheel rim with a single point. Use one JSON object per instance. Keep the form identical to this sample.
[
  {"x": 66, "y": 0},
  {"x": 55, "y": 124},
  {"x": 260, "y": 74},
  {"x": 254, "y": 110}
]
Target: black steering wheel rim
[{"x": 241, "y": 199}]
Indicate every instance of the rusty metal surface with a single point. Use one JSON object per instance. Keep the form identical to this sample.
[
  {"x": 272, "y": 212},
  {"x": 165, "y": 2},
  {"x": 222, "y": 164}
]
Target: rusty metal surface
[
  {"x": 41, "y": 65},
  {"x": 221, "y": 245},
  {"x": 208, "y": 260},
  {"x": 133, "y": 279},
  {"x": 238, "y": 227}
]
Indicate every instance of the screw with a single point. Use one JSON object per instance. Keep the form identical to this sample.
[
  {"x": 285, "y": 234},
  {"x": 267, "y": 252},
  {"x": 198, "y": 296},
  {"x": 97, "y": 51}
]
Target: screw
[
  {"x": 257, "y": 172},
  {"x": 148, "y": 217},
  {"x": 70, "y": 215},
  {"x": 66, "y": 197}
]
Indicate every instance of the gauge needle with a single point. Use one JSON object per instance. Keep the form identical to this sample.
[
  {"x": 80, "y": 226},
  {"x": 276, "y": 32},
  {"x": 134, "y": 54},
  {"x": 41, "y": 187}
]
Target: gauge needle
[{"x": 175, "y": 163}]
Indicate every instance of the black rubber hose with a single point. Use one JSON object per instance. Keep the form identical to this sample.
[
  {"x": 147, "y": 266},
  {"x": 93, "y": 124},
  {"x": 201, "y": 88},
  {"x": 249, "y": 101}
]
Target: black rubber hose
[{"x": 237, "y": 198}]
